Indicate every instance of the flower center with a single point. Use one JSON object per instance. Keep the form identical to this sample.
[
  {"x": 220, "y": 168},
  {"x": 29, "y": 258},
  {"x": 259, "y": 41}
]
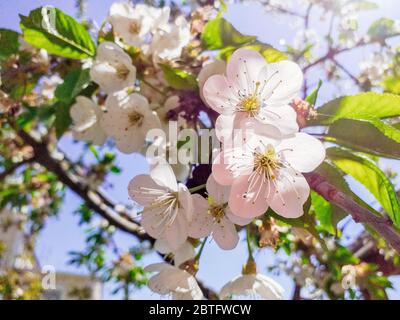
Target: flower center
[
  {"x": 134, "y": 27},
  {"x": 218, "y": 212},
  {"x": 250, "y": 103},
  {"x": 136, "y": 118},
  {"x": 122, "y": 71},
  {"x": 267, "y": 163}
]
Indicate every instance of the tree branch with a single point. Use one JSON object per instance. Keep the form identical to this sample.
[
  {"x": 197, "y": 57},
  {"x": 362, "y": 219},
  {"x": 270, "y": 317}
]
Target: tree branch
[
  {"x": 14, "y": 167},
  {"x": 91, "y": 197},
  {"x": 360, "y": 214},
  {"x": 94, "y": 199},
  {"x": 332, "y": 52}
]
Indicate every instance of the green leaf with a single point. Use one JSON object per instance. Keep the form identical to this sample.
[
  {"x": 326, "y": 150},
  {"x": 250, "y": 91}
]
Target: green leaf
[
  {"x": 382, "y": 28},
  {"x": 9, "y": 43},
  {"x": 268, "y": 52},
  {"x": 312, "y": 97},
  {"x": 219, "y": 33},
  {"x": 364, "y": 5},
  {"x": 324, "y": 213},
  {"x": 360, "y": 106},
  {"x": 374, "y": 179},
  {"x": 51, "y": 29},
  {"x": 75, "y": 81},
  {"x": 371, "y": 136},
  {"x": 63, "y": 119},
  {"x": 179, "y": 79},
  {"x": 391, "y": 84}
]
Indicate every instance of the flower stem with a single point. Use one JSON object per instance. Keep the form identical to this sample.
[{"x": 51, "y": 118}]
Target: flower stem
[
  {"x": 194, "y": 189},
  {"x": 251, "y": 258},
  {"x": 198, "y": 255}
]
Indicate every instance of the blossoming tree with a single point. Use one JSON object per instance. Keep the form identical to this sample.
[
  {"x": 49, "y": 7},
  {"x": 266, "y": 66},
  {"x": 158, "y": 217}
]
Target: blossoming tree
[{"x": 235, "y": 136}]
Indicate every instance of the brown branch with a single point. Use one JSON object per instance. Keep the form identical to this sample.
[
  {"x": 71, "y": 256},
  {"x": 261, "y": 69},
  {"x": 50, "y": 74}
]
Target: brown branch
[
  {"x": 360, "y": 214},
  {"x": 91, "y": 197},
  {"x": 347, "y": 72}
]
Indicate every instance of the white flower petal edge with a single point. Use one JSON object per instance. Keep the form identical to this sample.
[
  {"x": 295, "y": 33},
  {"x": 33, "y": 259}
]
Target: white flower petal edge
[
  {"x": 173, "y": 281},
  {"x": 86, "y": 116},
  {"x": 253, "y": 286},
  {"x": 112, "y": 69}
]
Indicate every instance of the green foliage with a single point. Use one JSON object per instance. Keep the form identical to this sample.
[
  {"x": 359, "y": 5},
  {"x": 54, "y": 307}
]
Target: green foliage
[
  {"x": 381, "y": 28},
  {"x": 219, "y": 34},
  {"x": 51, "y": 29},
  {"x": 179, "y": 79},
  {"x": 374, "y": 179},
  {"x": 312, "y": 97},
  {"x": 9, "y": 43},
  {"x": 359, "y": 106},
  {"x": 74, "y": 83},
  {"x": 391, "y": 84},
  {"x": 357, "y": 134},
  {"x": 268, "y": 52},
  {"x": 323, "y": 212}
]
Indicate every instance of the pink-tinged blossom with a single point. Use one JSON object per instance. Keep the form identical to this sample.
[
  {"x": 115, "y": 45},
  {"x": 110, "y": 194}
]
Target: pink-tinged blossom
[
  {"x": 266, "y": 172},
  {"x": 213, "y": 216},
  {"x": 253, "y": 88},
  {"x": 167, "y": 204}
]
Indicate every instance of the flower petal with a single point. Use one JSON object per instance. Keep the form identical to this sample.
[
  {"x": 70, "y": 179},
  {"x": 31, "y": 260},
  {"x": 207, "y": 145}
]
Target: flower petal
[
  {"x": 280, "y": 83},
  {"x": 283, "y": 117},
  {"x": 250, "y": 196},
  {"x": 218, "y": 93},
  {"x": 237, "y": 220},
  {"x": 218, "y": 192},
  {"x": 162, "y": 173},
  {"x": 268, "y": 288},
  {"x": 292, "y": 192},
  {"x": 302, "y": 151},
  {"x": 243, "y": 69},
  {"x": 177, "y": 233},
  {"x": 201, "y": 224},
  {"x": 139, "y": 186},
  {"x": 225, "y": 234}
]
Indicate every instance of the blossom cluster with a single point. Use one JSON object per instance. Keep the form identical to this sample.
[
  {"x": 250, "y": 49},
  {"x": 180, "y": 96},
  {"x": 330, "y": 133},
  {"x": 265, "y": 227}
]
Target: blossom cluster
[{"x": 261, "y": 159}]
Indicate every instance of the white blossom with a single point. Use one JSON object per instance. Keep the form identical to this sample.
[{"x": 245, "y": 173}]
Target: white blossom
[
  {"x": 184, "y": 252},
  {"x": 253, "y": 286},
  {"x": 167, "y": 204},
  {"x": 168, "y": 42},
  {"x": 133, "y": 24},
  {"x": 127, "y": 119},
  {"x": 86, "y": 116},
  {"x": 177, "y": 283},
  {"x": 112, "y": 69}
]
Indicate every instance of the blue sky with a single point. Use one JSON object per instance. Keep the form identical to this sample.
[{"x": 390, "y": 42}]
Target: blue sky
[{"x": 62, "y": 234}]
